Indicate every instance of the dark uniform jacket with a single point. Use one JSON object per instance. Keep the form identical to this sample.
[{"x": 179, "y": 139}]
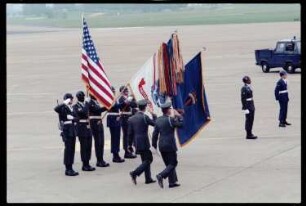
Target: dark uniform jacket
[
  {"x": 165, "y": 127},
  {"x": 63, "y": 110},
  {"x": 94, "y": 108},
  {"x": 112, "y": 120},
  {"x": 281, "y": 86},
  {"x": 246, "y": 94},
  {"x": 81, "y": 113},
  {"x": 126, "y": 107},
  {"x": 138, "y": 128}
]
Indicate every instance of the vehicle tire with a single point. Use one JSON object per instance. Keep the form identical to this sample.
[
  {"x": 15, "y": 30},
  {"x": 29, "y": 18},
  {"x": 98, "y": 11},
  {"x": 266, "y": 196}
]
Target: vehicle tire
[
  {"x": 290, "y": 68},
  {"x": 265, "y": 67}
]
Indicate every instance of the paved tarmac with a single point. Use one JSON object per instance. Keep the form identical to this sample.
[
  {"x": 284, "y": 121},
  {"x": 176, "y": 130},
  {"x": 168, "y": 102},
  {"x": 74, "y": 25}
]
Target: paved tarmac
[{"x": 220, "y": 166}]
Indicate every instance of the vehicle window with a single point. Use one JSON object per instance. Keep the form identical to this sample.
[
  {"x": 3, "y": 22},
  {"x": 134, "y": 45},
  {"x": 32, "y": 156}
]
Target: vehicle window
[
  {"x": 289, "y": 47},
  {"x": 280, "y": 47}
]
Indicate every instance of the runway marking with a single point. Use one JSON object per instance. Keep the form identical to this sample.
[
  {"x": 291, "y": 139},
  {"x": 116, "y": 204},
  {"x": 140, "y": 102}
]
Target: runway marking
[{"x": 236, "y": 173}]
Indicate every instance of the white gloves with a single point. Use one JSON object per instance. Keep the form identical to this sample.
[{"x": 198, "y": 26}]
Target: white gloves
[
  {"x": 70, "y": 117},
  {"x": 87, "y": 99},
  {"x": 130, "y": 98},
  {"x": 67, "y": 101},
  {"x": 246, "y": 111}
]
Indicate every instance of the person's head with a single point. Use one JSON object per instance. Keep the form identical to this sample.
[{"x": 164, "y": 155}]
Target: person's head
[
  {"x": 283, "y": 74},
  {"x": 113, "y": 89},
  {"x": 124, "y": 90},
  {"x": 166, "y": 108},
  {"x": 142, "y": 105},
  {"x": 80, "y": 96},
  {"x": 92, "y": 96},
  {"x": 68, "y": 96},
  {"x": 246, "y": 80}
]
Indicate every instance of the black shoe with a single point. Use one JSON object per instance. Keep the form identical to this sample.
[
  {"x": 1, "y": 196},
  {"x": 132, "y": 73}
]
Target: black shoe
[
  {"x": 287, "y": 123},
  {"x": 282, "y": 125},
  {"x": 160, "y": 181},
  {"x": 129, "y": 156},
  {"x": 102, "y": 164},
  {"x": 174, "y": 185},
  {"x": 71, "y": 173},
  {"x": 88, "y": 168},
  {"x": 251, "y": 136},
  {"x": 118, "y": 159},
  {"x": 150, "y": 181},
  {"x": 133, "y": 177}
]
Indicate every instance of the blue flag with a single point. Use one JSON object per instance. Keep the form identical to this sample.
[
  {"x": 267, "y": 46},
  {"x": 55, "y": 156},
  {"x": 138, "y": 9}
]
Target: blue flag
[{"x": 192, "y": 99}]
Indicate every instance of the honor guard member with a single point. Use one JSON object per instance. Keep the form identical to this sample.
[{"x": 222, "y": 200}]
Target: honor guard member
[
  {"x": 113, "y": 123},
  {"x": 138, "y": 127},
  {"x": 127, "y": 103},
  {"x": 96, "y": 125},
  {"x": 281, "y": 95},
  {"x": 248, "y": 106},
  {"x": 164, "y": 128},
  {"x": 65, "y": 112},
  {"x": 83, "y": 130}
]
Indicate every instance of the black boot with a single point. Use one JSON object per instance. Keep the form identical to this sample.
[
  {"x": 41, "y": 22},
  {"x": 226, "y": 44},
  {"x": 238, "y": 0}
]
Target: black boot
[
  {"x": 287, "y": 123},
  {"x": 282, "y": 124},
  {"x": 70, "y": 172},
  {"x": 117, "y": 158},
  {"x": 160, "y": 181},
  {"x": 88, "y": 168},
  {"x": 102, "y": 164},
  {"x": 129, "y": 155},
  {"x": 174, "y": 185},
  {"x": 250, "y": 135},
  {"x": 133, "y": 177},
  {"x": 150, "y": 181}
]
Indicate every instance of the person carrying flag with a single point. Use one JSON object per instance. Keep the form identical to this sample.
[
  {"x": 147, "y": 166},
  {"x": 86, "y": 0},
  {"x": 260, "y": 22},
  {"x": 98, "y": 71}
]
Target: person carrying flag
[{"x": 164, "y": 130}]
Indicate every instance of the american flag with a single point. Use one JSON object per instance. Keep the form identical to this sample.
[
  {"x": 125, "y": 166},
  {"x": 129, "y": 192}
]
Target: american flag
[{"x": 93, "y": 73}]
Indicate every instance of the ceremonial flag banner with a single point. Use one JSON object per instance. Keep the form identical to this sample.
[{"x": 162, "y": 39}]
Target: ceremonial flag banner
[
  {"x": 164, "y": 78},
  {"x": 192, "y": 99},
  {"x": 93, "y": 73}
]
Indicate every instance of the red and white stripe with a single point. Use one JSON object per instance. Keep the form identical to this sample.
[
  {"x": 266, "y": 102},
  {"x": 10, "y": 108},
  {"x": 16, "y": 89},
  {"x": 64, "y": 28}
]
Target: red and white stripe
[{"x": 96, "y": 80}]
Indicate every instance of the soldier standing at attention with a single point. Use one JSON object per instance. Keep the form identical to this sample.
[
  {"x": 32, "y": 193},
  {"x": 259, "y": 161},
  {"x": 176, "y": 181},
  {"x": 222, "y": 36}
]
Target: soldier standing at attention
[
  {"x": 164, "y": 127},
  {"x": 65, "y": 112},
  {"x": 281, "y": 95},
  {"x": 138, "y": 127},
  {"x": 127, "y": 103},
  {"x": 83, "y": 130},
  {"x": 113, "y": 123},
  {"x": 96, "y": 125},
  {"x": 248, "y": 107}
]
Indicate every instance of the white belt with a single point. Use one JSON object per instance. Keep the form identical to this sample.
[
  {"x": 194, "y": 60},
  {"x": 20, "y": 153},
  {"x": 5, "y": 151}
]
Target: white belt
[
  {"x": 284, "y": 91},
  {"x": 94, "y": 117},
  {"x": 113, "y": 113},
  {"x": 83, "y": 120},
  {"x": 127, "y": 113},
  {"x": 68, "y": 122},
  {"x": 249, "y": 99}
]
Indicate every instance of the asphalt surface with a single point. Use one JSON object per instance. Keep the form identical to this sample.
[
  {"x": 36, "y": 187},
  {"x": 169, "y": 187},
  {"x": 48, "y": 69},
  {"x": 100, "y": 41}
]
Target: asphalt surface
[{"x": 218, "y": 166}]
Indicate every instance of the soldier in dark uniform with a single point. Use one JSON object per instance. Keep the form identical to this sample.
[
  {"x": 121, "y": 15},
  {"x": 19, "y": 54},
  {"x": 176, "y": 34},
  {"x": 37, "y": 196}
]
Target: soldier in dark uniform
[
  {"x": 281, "y": 95},
  {"x": 127, "y": 103},
  {"x": 65, "y": 112},
  {"x": 138, "y": 127},
  {"x": 96, "y": 125},
  {"x": 248, "y": 107},
  {"x": 83, "y": 130},
  {"x": 164, "y": 127},
  {"x": 113, "y": 123}
]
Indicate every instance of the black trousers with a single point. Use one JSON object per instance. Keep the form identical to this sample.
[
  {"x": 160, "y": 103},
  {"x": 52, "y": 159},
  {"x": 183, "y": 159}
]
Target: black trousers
[
  {"x": 249, "y": 119},
  {"x": 85, "y": 144},
  {"x": 98, "y": 134},
  {"x": 69, "y": 151},
  {"x": 125, "y": 136},
  {"x": 283, "y": 111},
  {"x": 115, "y": 139},
  {"x": 145, "y": 166},
  {"x": 170, "y": 160}
]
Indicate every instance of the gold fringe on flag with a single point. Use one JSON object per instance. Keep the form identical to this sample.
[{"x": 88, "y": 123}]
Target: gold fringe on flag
[{"x": 177, "y": 60}]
